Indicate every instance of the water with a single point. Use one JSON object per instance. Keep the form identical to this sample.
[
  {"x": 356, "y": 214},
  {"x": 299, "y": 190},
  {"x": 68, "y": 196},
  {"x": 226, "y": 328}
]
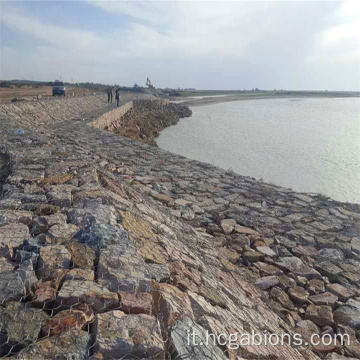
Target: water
[{"x": 309, "y": 145}]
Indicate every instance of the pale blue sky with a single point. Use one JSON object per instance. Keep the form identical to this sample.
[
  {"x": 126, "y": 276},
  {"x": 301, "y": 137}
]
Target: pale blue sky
[{"x": 206, "y": 45}]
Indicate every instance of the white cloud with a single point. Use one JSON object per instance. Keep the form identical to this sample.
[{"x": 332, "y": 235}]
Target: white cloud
[{"x": 197, "y": 44}]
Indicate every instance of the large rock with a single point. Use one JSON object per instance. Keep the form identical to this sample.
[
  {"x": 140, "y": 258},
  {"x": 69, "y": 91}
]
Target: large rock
[
  {"x": 129, "y": 336},
  {"x": 297, "y": 267},
  {"x": 331, "y": 254},
  {"x": 267, "y": 282},
  {"x": 12, "y": 236},
  {"x": 324, "y": 299},
  {"x": 227, "y": 226},
  {"x": 67, "y": 320},
  {"x": 327, "y": 268},
  {"x": 15, "y": 216},
  {"x": 70, "y": 345},
  {"x": 321, "y": 315},
  {"x": 12, "y": 286},
  {"x": 340, "y": 291},
  {"x": 60, "y": 234},
  {"x": 355, "y": 245},
  {"x": 348, "y": 315},
  {"x": 307, "y": 328},
  {"x": 121, "y": 268},
  {"x": 282, "y": 298},
  {"x": 170, "y": 304},
  {"x": 74, "y": 292},
  {"x": 198, "y": 349},
  {"x": 315, "y": 286},
  {"x": 20, "y": 323},
  {"x": 298, "y": 295},
  {"x": 82, "y": 256},
  {"x": 53, "y": 257},
  {"x": 100, "y": 236}
]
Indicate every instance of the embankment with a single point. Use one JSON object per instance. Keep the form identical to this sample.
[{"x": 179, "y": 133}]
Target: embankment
[
  {"x": 110, "y": 248},
  {"x": 144, "y": 121}
]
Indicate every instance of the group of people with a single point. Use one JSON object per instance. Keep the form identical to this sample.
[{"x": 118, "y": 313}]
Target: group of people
[{"x": 110, "y": 95}]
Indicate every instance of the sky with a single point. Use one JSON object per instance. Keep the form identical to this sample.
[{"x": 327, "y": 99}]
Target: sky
[{"x": 293, "y": 45}]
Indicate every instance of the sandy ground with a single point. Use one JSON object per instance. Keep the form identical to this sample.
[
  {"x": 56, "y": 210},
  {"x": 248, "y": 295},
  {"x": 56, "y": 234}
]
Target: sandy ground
[
  {"x": 208, "y": 100},
  {"x": 30, "y": 92}
]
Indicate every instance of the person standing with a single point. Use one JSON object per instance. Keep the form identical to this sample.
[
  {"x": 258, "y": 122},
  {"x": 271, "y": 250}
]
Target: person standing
[
  {"x": 109, "y": 94},
  {"x": 117, "y": 97}
]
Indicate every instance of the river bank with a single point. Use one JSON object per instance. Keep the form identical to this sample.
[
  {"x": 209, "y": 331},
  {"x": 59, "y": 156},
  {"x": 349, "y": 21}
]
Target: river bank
[
  {"x": 209, "y": 99},
  {"x": 147, "y": 119},
  {"x": 101, "y": 232}
]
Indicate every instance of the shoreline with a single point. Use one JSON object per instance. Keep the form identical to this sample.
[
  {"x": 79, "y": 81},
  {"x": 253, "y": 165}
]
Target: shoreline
[
  {"x": 124, "y": 233},
  {"x": 230, "y": 98}
]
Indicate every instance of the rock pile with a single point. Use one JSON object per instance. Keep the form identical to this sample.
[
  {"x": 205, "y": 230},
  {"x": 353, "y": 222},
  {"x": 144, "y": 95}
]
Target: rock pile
[
  {"x": 147, "y": 118},
  {"x": 112, "y": 249}
]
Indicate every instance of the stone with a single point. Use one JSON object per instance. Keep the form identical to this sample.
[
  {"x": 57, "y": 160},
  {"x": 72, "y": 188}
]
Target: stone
[
  {"x": 129, "y": 336},
  {"x": 286, "y": 282},
  {"x": 267, "y": 269},
  {"x": 170, "y": 304},
  {"x": 58, "y": 179},
  {"x": 321, "y": 315},
  {"x": 182, "y": 202},
  {"x": 315, "y": 286},
  {"x": 93, "y": 214},
  {"x": 355, "y": 245},
  {"x": 240, "y": 240},
  {"x": 245, "y": 230},
  {"x": 181, "y": 348},
  {"x": 347, "y": 315},
  {"x": 82, "y": 255},
  {"x": 122, "y": 268},
  {"x": 176, "y": 213},
  {"x": 307, "y": 328},
  {"x": 61, "y": 234},
  {"x": 297, "y": 267},
  {"x": 15, "y": 216},
  {"x": 79, "y": 274},
  {"x": 324, "y": 299},
  {"x": 187, "y": 214},
  {"x": 60, "y": 195},
  {"x": 266, "y": 282},
  {"x": 298, "y": 295},
  {"x": 266, "y": 251},
  {"x": 12, "y": 236},
  {"x": 44, "y": 293},
  {"x": 229, "y": 254},
  {"x": 21, "y": 324},
  {"x": 331, "y": 254},
  {"x": 52, "y": 257},
  {"x": 56, "y": 219},
  {"x": 66, "y": 321},
  {"x": 197, "y": 210},
  {"x": 70, "y": 345},
  {"x": 74, "y": 292},
  {"x": 39, "y": 225},
  {"x": 163, "y": 198},
  {"x": 282, "y": 298},
  {"x": 253, "y": 256},
  {"x": 131, "y": 303},
  {"x": 100, "y": 236},
  {"x": 329, "y": 269},
  {"x": 227, "y": 226},
  {"x": 340, "y": 291},
  {"x": 335, "y": 356},
  {"x": 11, "y": 283}
]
